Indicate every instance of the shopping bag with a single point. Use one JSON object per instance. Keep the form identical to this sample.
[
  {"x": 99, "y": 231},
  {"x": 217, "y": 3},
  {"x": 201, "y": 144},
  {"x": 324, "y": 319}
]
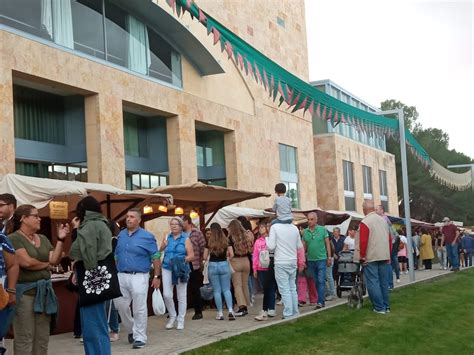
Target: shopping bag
[{"x": 158, "y": 303}]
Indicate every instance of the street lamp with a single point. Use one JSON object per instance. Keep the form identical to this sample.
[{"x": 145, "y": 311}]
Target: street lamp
[{"x": 406, "y": 192}]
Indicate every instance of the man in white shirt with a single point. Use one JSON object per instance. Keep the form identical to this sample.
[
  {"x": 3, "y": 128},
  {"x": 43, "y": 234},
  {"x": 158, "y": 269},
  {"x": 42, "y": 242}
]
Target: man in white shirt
[{"x": 285, "y": 240}]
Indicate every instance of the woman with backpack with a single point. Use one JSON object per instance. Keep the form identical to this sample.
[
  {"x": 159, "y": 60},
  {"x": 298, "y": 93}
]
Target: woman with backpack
[{"x": 261, "y": 263}]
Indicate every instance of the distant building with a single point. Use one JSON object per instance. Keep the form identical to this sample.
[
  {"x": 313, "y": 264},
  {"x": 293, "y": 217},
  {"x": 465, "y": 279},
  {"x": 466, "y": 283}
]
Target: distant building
[{"x": 350, "y": 165}]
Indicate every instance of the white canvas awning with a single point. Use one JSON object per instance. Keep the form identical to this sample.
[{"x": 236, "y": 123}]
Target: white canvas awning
[
  {"x": 39, "y": 192},
  {"x": 226, "y": 214}
]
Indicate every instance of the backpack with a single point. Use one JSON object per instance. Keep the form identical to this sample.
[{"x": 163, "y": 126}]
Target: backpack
[{"x": 264, "y": 258}]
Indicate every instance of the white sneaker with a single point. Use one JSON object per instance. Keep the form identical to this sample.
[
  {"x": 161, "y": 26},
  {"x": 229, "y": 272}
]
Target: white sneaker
[
  {"x": 271, "y": 313},
  {"x": 170, "y": 324},
  {"x": 262, "y": 316},
  {"x": 180, "y": 325},
  {"x": 398, "y": 280}
]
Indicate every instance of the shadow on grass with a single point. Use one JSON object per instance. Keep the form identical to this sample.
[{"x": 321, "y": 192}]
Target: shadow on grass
[{"x": 427, "y": 318}]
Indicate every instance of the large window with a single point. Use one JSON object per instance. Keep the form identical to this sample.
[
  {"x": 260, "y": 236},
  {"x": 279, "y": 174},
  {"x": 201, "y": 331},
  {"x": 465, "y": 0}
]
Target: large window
[
  {"x": 383, "y": 189},
  {"x": 39, "y": 116},
  {"x": 51, "y": 171},
  {"x": 210, "y": 157},
  {"x": 114, "y": 34},
  {"x": 137, "y": 181},
  {"x": 349, "y": 193},
  {"x": 289, "y": 172},
  {"x": 367, "y": 176}
]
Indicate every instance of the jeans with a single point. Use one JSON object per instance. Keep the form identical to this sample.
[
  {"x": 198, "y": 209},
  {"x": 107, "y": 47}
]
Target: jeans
[
  {"x": 318, "y": 268},
  {"x": 195, "y": 283},
  {"x": 285, "y": 275},
  {"x": 219, "y": 276},
  {"x": 306, "y": 285},
  {"x": 442, "y": 257},
  {"x": 395, "y": 265},
  {"x": 390, "y": 276},
  {"x": 330, "y": 280},
  {"x": 267, "y": 278},
  {"x": 375, "y": 274},
  {"x": 468, "y": 258},
  {"x": 453, "y": 256},
  {"x": 112, "y": 316},
  {"x": 94, "y": 330}
]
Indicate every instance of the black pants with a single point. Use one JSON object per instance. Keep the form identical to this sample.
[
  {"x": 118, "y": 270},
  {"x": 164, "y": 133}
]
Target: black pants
[
  {"x": 427, "y": 263},
  {"x": 77, "y": 321},
  {"x": 195, "y": 282}
]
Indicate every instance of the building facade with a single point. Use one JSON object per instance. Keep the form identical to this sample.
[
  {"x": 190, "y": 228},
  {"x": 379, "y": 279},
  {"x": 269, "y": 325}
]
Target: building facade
[
  {"x": 125, "y": 93},
  {"x": 350, "y": 165}
]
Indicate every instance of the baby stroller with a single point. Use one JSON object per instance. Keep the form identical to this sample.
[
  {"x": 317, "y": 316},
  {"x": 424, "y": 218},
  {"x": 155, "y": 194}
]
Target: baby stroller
[{"x": 350, "y": 278}]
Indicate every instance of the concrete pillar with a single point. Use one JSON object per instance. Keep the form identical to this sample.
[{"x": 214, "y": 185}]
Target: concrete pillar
[
  {"x": 231, "y": 156},
  {"x": 104, "y": 140},
  {"x": 181, "y": 136},
  {"x": 7, "y": 133}
]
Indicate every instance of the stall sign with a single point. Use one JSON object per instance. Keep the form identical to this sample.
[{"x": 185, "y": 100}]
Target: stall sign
[{"x": 58, "y": 210}]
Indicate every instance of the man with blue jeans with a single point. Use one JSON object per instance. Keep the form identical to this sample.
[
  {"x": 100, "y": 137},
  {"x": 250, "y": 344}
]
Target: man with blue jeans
[
  {"x": 450, "y": 240},
  {"x": 375, "y": 249},
  {"x": 467, "y": 244},
  {"x": 284, "y": 240},
  {"x": 318, "y": 249}
]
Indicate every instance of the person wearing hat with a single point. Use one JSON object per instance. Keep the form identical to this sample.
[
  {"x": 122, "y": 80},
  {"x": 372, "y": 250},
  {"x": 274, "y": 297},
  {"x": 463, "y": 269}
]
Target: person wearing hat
[{"x": 450, "y": 240}]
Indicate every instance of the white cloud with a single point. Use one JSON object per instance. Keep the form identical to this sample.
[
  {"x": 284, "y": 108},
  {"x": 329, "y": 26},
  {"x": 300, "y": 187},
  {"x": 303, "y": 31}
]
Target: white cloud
[{"x": 418, "y": 52}]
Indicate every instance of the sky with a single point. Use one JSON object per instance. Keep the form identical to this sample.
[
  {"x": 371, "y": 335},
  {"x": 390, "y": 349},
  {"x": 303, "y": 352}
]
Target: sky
[{"x": 417, "y": 52}]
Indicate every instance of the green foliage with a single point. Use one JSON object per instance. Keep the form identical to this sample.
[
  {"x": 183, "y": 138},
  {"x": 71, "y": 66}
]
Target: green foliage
[{"x": 430, "y": 200}]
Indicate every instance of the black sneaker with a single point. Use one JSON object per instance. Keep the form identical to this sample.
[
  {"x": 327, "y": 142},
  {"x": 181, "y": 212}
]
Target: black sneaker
[
  {"x": 130, "y": 338},
  {"x": 197, "y": 316},
  {"x": 137, "y": 344},
  {"x": 231, "y": 316},
  {"x": 241, "y": 312},
  {"x": 319, "y": 306}
]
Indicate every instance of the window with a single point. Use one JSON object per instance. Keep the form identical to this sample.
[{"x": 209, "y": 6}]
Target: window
[
  {"x": 51, "y": 171},
  {"x": 137, "y": 181},
  {"x": 39, "y": 116},
  {"x": 383, "y": 189},
  {"x": 87, "y": 21},
  {"x": 348, "y": 178},
  {"x": 135, "y": 135},
  {"x": 210, "y": 157},
  {"x": 289, "y": 172},
  {"x": 367, "y": 176},
  {"x": 114, "y": 34}
]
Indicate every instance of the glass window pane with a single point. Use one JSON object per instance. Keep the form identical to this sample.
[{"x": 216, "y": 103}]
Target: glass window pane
[
  {"x": 209, "y": 161},
  {"x": 283, "y": 158},
  {"x": 154, "y": 181},
  {"x": 73, "y": 173},
  {"x": 292, "y": 160},
  {"x": 292, "y": 193},
  {"x": 31, "y": 16},
  {"x": 160, "y": 56},
  {"x": 136, "y": 182},
  {"x": 145, "y": 181},
  {"x": 60, "y": 172},
  {"x": 350, "y": 203},
  {"x": 117, "y": 35},
  {"x": 163, "y": 181},
  {"x": 88, "y": 27},
  {"x": 200, "y": 156}
]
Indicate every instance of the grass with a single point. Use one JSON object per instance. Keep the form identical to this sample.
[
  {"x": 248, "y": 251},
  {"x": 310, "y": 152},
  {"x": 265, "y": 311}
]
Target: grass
[{"x": 427, "y": 318}]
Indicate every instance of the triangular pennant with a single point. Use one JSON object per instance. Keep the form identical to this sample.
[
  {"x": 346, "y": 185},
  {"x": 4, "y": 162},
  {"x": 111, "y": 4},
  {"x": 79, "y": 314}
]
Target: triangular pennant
[
  {"x": 311, "y": 108},
  {"x": 202, "y": 17},
  {"x": 323, "y": 115},
  {"x": 265, "y": 80},
  {"x": 257, "y": 73},
  {"x": 295, "y": 100},
  {"x": 229, "y": 50},
  {"x": 329, "y": 116},
  {"x": 216, "y": 34},
  {"x": 343, "y": 120},
  {"x": 318, "y": 110},
  {"x": 188, "y": 4},
  {"x": 240, "y": 60},
  {"x": 273, "y": 89},
  {"x": 303, "y": 105}
]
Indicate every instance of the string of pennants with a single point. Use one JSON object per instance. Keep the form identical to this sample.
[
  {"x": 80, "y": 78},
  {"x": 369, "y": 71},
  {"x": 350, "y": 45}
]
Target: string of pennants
[{"x": 289, "y": 89}]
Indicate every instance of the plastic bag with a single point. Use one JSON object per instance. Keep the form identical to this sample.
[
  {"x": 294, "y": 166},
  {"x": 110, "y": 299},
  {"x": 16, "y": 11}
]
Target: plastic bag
[
  {"x": 207, "y": 292},
  {"x": 158, "y": 303}
]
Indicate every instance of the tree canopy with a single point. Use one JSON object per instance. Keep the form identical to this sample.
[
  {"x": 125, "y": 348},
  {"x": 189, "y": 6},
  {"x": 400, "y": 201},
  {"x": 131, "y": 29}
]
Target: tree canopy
[{"x": 430, "y": 201}]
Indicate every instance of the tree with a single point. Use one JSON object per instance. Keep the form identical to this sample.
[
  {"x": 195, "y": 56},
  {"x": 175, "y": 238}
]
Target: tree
[{"x": 430, "y": 201}]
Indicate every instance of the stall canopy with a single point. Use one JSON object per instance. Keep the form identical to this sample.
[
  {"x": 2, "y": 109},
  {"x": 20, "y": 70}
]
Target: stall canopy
[
  {"x": 203, "y": 199},
  {"x": 39, "y": 192},
  {"x": 324, "y": 217},
  {"x": 414, "y": 222},
  {"x": 226, "y": 214}
]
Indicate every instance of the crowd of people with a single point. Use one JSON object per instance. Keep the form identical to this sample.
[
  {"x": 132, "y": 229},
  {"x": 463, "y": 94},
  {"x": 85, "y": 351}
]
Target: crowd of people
[{"x": 297, "y": 265}]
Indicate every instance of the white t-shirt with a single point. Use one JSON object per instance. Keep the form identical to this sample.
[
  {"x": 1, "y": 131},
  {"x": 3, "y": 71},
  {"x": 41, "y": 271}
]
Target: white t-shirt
[
  {"x": 285, "y": 240},
  {"x": 350, "y": 243}
]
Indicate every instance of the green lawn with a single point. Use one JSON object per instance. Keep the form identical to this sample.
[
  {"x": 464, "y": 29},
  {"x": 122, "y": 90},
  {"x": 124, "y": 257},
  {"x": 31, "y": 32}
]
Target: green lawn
[{"x": 427, "y": 318}]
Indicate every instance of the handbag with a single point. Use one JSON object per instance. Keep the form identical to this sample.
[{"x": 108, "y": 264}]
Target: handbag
[
  {"x": 99, "y": 284},
  {"x": 264, "y": 258},
  {"x": 158, "y": 303},
  {"x": 207, "y": 292}
]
